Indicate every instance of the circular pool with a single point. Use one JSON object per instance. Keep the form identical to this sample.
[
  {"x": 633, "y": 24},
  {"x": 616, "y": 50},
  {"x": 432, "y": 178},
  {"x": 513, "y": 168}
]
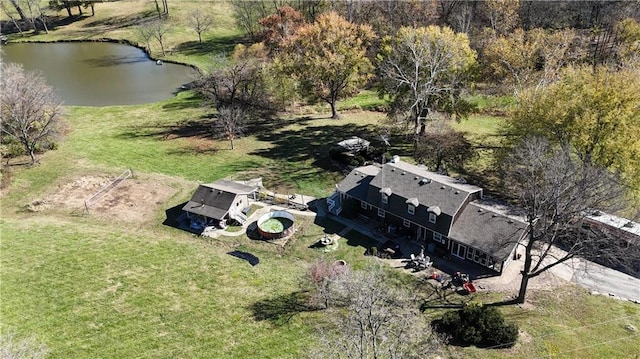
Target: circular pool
[{"x": 277, "y": 224}]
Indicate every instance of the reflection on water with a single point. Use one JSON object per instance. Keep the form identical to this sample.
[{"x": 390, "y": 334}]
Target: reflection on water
[
  {"x": 114, "y": 60},
  {"x": 100, "y": 73}
]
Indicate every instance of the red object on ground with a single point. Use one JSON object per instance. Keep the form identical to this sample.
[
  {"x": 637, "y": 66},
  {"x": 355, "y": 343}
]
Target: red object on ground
[{"x": 469, "y": 287}]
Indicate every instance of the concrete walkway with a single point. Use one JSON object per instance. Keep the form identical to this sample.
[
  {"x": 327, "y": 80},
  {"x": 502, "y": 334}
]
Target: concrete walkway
[
  {"x": 599, "y": 279},
  {"x": 265, "y": 208},
  {"x": 594, "y": 277}
]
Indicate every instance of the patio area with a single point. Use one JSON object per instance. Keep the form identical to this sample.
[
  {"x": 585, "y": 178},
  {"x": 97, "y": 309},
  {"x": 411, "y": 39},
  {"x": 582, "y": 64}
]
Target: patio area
[{"x": 443, "y": 264}]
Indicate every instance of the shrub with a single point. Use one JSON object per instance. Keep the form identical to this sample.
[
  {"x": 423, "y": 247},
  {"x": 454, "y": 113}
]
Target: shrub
[{"x": 478, "y": 325}]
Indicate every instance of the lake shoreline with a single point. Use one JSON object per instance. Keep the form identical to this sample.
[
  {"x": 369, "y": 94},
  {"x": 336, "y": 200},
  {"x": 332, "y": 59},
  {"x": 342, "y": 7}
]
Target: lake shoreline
[{"x": 108, "y": 40}]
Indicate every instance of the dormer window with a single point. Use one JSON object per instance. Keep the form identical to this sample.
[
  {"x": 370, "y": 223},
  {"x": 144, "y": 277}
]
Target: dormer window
[
  {"x": 384, "y": 195},
  {"x": 434, "y": 212},
  {"x": 412, "y": 203}
]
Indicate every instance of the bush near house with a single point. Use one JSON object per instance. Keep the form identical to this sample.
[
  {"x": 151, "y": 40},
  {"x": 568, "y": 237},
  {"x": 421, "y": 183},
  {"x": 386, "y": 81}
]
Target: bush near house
[{"x": 478, "y": 325}]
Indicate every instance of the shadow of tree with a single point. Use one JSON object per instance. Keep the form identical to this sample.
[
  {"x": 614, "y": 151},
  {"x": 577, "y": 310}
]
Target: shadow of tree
[
  {"x": 217, "y": 45},
  {"x": 193, "y": 100},
  {"x": 306, "y": 144},
  {"x": 441, "y": 297},
  {"x": 53, "y": 22},
  {"x": 194, "y": 128},
  {"x": 119, "y": 22},
  {"x": 250, "y": 258},
  {"x": 279, "y": 310}
]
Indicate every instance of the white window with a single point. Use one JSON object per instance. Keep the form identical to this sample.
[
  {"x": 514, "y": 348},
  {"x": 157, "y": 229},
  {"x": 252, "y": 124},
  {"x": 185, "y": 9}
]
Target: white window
[
  {"x": 438, "y": 237},
  {"x": 406, "y": 223},
  {"x": 380, "y": 212},
  {"x": 363, "y": 204},
  {"x": 483, "y": 259},
  {"x": 385, "y": 198},
  {"x": 411, "y": 209},
  {"x": 432, "y": 218}
]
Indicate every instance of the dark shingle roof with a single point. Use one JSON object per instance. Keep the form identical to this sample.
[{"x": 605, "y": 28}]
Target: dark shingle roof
[
  {"x": 430, "y": 189},
  {"x": 490, "y": 231},
  {"x": 356, "y": 184},
  {"x": 214, "y": 200}
]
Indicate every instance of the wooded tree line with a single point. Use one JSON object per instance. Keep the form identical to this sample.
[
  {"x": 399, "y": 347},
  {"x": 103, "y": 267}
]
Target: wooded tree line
[
  {"x": 571, "y": 135},
  {"x": 385, "y": 17},
  {"x": 426, "y": 71}
]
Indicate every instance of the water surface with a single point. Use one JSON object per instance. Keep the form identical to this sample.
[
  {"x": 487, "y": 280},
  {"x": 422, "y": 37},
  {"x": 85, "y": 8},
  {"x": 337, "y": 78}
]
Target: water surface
[{"x": 100, "y": 73}]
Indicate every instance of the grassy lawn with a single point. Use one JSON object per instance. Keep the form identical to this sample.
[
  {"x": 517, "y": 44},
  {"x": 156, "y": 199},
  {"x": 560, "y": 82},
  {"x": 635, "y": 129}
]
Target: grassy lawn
[
  {"x": 99, "y": 288},
  {"x": 91, "y": 289}
]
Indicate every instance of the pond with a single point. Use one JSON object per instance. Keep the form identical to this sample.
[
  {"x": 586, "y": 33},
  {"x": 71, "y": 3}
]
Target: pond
[{"x": 100, "y": 73}]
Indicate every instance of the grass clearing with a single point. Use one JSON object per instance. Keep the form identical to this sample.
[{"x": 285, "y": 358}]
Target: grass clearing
[{"x": 91, "y": 287}]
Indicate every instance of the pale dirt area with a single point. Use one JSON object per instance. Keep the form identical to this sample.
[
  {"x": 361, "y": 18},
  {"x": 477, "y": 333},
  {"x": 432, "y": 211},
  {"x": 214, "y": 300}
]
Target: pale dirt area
[{"x": 132, "y": 200}]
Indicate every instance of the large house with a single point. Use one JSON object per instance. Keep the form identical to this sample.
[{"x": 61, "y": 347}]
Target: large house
[
  {"x": 218, "y": 203},
  {"x": 446, "y": 215}
]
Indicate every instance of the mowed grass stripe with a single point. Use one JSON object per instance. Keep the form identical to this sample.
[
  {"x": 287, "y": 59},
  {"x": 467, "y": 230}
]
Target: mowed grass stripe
[{"x": 90, "y": 290}]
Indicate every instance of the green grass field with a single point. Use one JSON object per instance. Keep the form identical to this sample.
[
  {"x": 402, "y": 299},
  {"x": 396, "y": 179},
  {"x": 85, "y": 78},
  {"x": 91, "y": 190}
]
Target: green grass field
[{"x": 93, "y": 287}]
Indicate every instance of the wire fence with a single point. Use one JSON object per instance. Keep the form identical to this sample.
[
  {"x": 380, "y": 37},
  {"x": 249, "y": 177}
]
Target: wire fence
[{"x": 105, "y": 189}]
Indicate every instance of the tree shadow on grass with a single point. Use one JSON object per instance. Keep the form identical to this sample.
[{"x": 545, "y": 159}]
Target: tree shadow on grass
[
  {"x": 193, "y": 100},
  {"x": 310, "y": 143},
  {"x": 441, "y": 297},
  {"x": 190, "y": 128},
  {"x": 250, "y": 258},
  {"x": 122, "y": 21},
  {"x": 279, "y": 310},
  {"x": 218, "y": 45}
]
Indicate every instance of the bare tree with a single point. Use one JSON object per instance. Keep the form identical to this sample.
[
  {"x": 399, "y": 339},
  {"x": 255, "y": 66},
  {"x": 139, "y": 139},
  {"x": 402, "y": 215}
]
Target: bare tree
[
  {"x": 425, "y": 70},
  {"x": 6, "y": 11},
  {"x": 236, "y": 81},
  {"x": 323, "y": 275},
  {"x": 165, "y": 8},
  {"x": 557, "y": 192},
  {"x": 200, "y": 22},
  {"x": 247, "y": 14},
  {"x": 230, "y": 123},
  {"x": 145, "y": 30},
  {"x": 159, "y": 29},
  {"x": 377, "y": 320},
  {"x": 18, "y": 9},
  {"x": 36, "y": 13},
  {"x": 30, "y": 111},
  {"x": 443, "y": 147}
]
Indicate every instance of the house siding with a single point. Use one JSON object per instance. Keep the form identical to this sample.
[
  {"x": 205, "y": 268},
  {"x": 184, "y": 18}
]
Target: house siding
[{"x": 450, "y": 197}]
